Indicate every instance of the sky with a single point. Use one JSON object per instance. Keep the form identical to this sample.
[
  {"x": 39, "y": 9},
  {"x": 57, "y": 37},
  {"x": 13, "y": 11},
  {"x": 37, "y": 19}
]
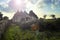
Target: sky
[{"x": 40, "y": 7}]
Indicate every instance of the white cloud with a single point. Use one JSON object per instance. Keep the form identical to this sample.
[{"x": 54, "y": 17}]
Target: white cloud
[
  {"x": 37, "y": 7},
  {"x": 4, "y": 1},
  {"x": 53, "y": 6},
  {"x": 38, "y": 11},
  {"x": 4, "y": 5},
  {"x": 8, "y": 1},
  {"x": 33, "y": 1},
  {"x": 10, "y": 15}
]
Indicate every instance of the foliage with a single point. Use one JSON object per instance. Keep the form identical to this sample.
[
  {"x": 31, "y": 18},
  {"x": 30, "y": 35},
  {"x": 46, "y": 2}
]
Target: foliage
[
  {"x": 5, "y": 18},
  {"x": 16, "y": 33},
  {"x": 44, "y": 16},
  {"x": 1, "y": 16},
  {"x": 50, "y": 24}
]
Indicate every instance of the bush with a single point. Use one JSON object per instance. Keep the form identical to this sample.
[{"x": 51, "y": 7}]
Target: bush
[{"x": 16, "y": 33}]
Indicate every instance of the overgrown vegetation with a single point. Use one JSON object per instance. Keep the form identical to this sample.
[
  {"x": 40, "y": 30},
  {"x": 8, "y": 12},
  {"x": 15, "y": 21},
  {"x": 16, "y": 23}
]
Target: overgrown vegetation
[
  {"x": 43, "y": 29},
  {"x": 16, "y": 33},
  {"x": 50, "y": 24}
]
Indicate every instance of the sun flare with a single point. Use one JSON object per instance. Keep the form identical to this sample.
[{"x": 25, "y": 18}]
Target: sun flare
[{"x": 18, "y": 2}]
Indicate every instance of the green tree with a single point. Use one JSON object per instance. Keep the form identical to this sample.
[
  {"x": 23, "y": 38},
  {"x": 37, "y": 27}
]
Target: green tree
[
  {"x": 6, "y": 18},
  {"x": 1, "y": 16},
  {"x": 53, "y": 16},
  {"x": 44, "y": 16}
]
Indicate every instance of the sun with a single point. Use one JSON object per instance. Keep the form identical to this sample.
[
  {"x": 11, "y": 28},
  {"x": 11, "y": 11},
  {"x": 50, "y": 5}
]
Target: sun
[{"x": 18, "y": 2}]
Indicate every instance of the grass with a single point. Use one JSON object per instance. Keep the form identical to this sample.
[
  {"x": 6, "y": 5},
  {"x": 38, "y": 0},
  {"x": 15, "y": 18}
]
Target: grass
[{"x": 14, "y": 32}]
